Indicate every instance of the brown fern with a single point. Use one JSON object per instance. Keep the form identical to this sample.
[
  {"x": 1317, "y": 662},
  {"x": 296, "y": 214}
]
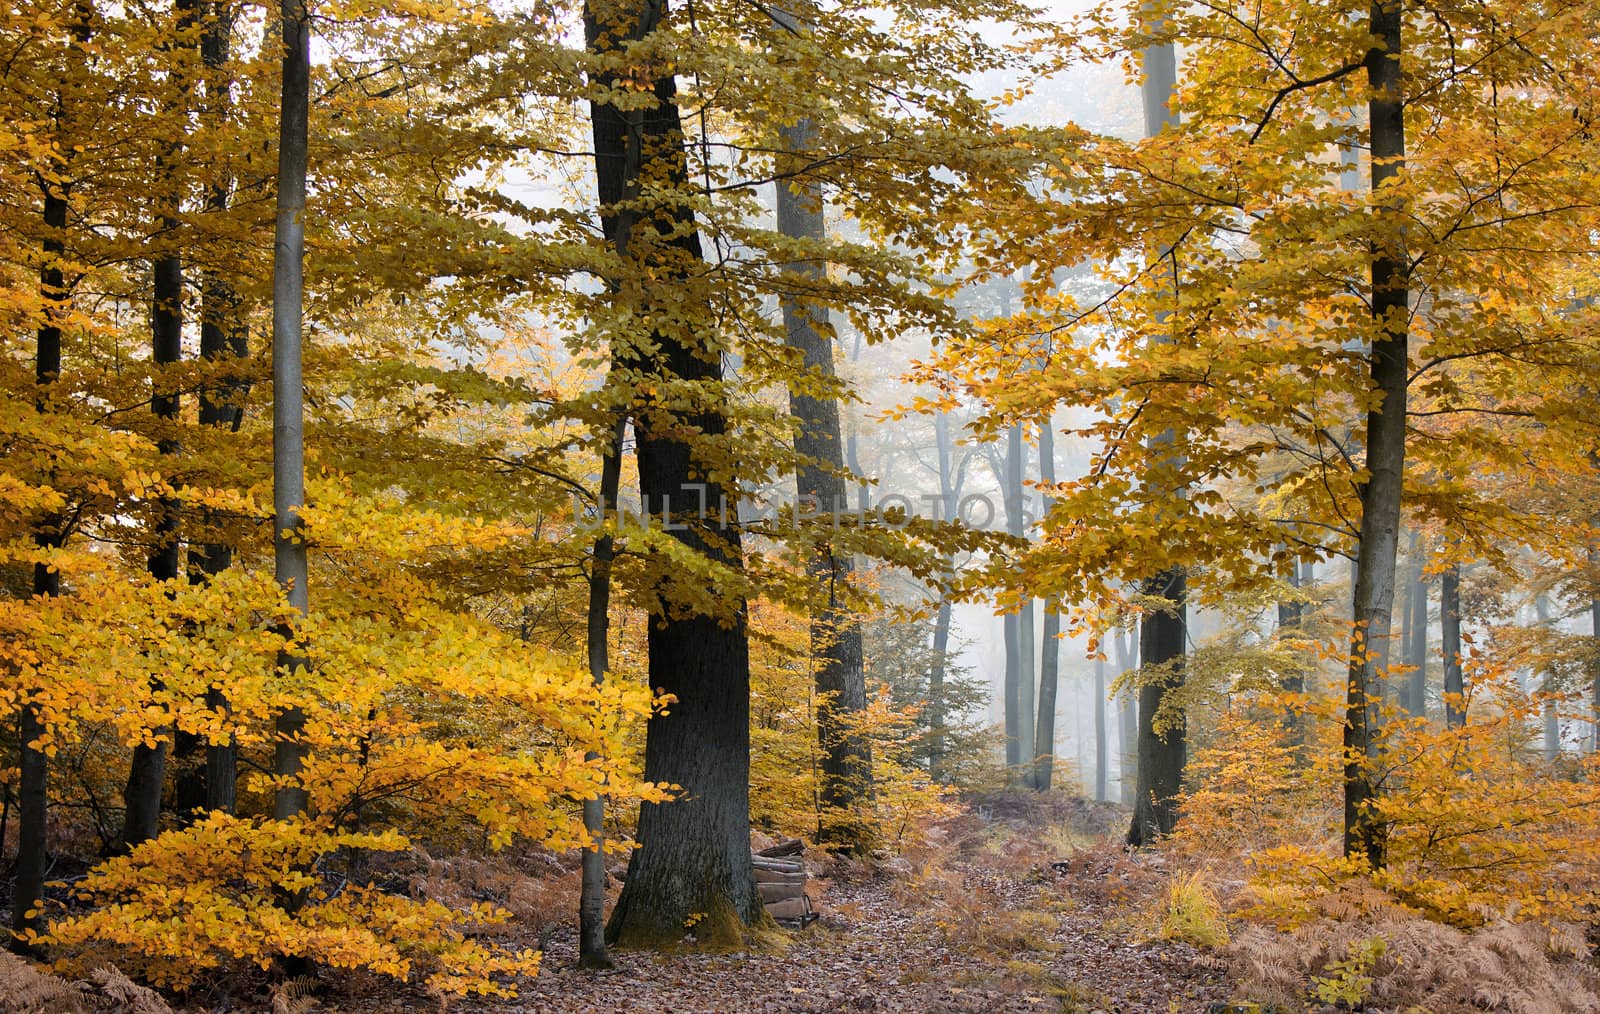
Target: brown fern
[{"x": 26, "y": 989}]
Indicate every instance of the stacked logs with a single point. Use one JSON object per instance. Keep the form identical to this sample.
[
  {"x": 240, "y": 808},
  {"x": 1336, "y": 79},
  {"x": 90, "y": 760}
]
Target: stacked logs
[{"x": 781, "y": 879}]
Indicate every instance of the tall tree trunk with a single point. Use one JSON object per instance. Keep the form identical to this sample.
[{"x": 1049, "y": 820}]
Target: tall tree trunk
[
  {"x": 1102, "y": 750},
  {"x": 1127, "y": 725},
  {"x": 1455, "y": 703},
  {"x": 33, "y": 784},
  {"x": 592, "y": 952},
  {"x": 692, "y": 866},
  {"x": 1594, "y": 679},
  {"x": 33, "y": 800},
  {"x": 1163, "y": 633},
  {"x": 223, "y": 335},
  {"x": 949, "y": 502},
  {"x": 147, "y": 772},
  {"x": 1291, "y": 613},
  {"x": 836, "y": 647},
  {"x": 1050, "y": 657},
  {"x": 1365, "y": 835},
  {"x": 1552, "y": 715},
  {"x": 1019, "y": 646},
  {"x": 1415, "y": 643},
  {"x": 288, "y": 394},
  {"x": 1013, "y": 691}
]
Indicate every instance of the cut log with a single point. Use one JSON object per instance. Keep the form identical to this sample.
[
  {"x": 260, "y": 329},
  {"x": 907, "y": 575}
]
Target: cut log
[
  {"x": 791, "y": 908},
  {"x": 772, "y": 877},
  {"x": 771, "y": 893},
  {"x": 777, "y": 865},
  {"x": 791, "y": 847}
]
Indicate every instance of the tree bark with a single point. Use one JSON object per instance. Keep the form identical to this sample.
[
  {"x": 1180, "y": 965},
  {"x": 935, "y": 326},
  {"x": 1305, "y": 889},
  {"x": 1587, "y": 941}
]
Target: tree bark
[
  {"x": 1365, "y": 835},
  {"x": 1162, "y": 756},
  {"x": 836, "y": 646},
  {"x": 288, "y": 397},
  {"x": 692, "y": 867}
]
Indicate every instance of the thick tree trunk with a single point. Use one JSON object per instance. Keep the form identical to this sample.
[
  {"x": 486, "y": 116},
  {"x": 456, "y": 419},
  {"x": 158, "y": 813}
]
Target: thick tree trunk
[
  {"x": 1364, "y": 834},
  {"x": 1050, "y": 657},
  {"x": 692, "y": 867},
  {"x": 213, "y": 785},
  {"x": 1455, "y": 703},
  {"x": 592, "y": 952},
  {"x": 1162, "y": 755},
  {"x": 288, "y": 396},
  {"x": 836, "y": 647}
]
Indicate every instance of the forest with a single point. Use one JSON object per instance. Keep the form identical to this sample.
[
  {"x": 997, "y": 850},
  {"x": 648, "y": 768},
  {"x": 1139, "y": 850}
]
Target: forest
[{"x": 695, "y": 505}]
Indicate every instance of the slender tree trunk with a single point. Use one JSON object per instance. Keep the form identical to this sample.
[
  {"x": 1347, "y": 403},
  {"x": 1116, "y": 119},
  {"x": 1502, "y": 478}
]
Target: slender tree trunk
[
  {"x": 1013, "y": 695},
  {"x": 1127, "y": 725},
  {"x": 692, "y": 867},
  {"x": 1455, "y": 703},
  {"x": 33, "y": 783},
  {"x": 1594, "y": 700},
  {"x": 1102, "y": 750},
  {"x": 1163, "y": 633},
  {"x": 213, "y": 785},
  {"x": 1291, "y": 614},
  {"x": 592, "y": 952},
  {"x": 33, "y": 799},
  {"x": 1365, "y": 835},
  {"x": 949, "y": 502},
  {"x": 1019, "y": 645},
  {"x": 1416, "y": 643},
  {"x": 147, "y": 772},
  {"x": 288, "y": 396},
  {"x": 1552, "y": 716},
  {"x": 836, "y": 647},
  {"x": 1050, "y": 657}
]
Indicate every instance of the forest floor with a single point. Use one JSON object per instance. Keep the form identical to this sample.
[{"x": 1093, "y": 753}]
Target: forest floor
[{"x": 1015, "y": 904}]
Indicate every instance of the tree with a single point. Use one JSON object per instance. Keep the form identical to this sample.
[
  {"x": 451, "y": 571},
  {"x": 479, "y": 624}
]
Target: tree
[
  {"x": 1163, "y": 627},
  {"x": 290, "y": 566},
  {"x": 692, "y": 867},
  {"x": 836, "y": 646}
]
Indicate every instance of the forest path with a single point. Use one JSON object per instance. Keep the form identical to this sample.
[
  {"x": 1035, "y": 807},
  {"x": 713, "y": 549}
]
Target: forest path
[{"x": 981, "y": 933}]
